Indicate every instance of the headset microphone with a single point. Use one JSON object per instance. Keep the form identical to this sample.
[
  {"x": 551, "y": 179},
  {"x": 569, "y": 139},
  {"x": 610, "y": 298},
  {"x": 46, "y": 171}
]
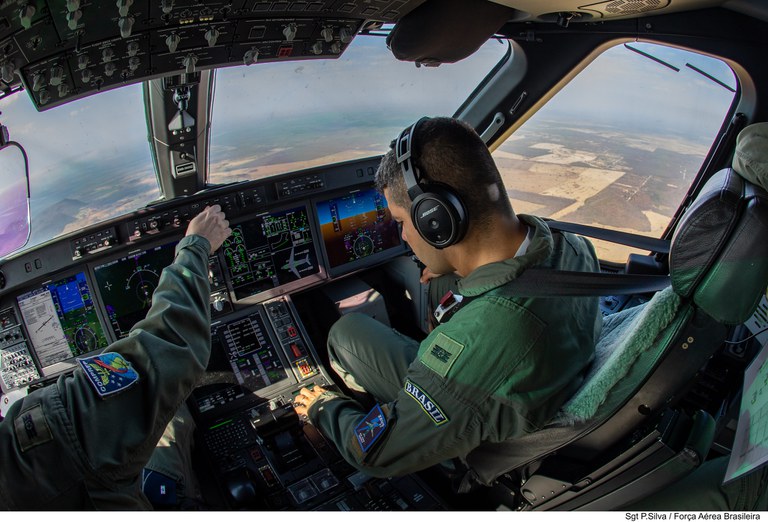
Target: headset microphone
[{"x": 437, "y": 212}]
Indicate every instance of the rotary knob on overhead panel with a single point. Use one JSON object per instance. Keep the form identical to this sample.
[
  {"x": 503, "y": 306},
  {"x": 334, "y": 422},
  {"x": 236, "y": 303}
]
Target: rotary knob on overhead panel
[
  {"x": 73, "y": 5},
  {"x": 251, "y": 56},
  {"x": 73, "y": 18},
  {"x": 172, "y": 41},
  {"x": 327, "y": 33},
  {"x": 335, "y": 47},
  {"x": 345, "y": 35},
  {"x": 7, "y": 71},
  {"x": 211, "y": 36},
  {"x": 63, "y": 90},
  {"x": 107, "y": 55},
  {"x": 109, "y": 69},
  {"x": 86, "y": 76},
  {"x": 133, "y": 63},
  {"x": 317, "y": 47},
  {"x": 57, "y": 76},
  {"x": 38, "y": 82},
  {"x": 166, "y": 6},
  {"x": 82, "y": 61},
  {"x": 44, "y": 96},
  {"x": 189, "y": 63},
  {"x": 133, "y": 48},
  {"x": 126, "y": 26},
  {"x": 26, "y": 14},
  {"x": 123, "y": 6},
  {"x": 289, "y": 31}
]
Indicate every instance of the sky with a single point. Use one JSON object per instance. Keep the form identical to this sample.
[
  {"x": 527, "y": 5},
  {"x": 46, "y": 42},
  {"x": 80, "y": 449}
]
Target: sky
[{"x": 90, "y": 159}]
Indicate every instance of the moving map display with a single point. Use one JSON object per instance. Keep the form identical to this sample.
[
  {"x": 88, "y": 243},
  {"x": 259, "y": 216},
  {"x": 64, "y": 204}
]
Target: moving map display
[
  {"x": 355, "y": 226},
  {"x": 126, "y": 285},
  {"x": 268, "y": 251},
  {"x": 61, "y": 321}
]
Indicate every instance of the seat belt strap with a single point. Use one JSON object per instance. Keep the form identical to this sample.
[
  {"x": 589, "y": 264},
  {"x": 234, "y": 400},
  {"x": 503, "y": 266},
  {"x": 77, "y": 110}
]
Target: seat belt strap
[{"x": 651, "y": 244}]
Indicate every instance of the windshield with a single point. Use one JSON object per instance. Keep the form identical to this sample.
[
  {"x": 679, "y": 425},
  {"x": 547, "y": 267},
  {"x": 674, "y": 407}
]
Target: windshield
[
  {"x": 280, "y": 117},
  {"x": 89, "y": 160}
]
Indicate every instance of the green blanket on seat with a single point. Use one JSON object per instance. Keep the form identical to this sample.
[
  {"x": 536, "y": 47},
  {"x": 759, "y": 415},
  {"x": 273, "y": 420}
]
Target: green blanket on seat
[{"x": 624, "y": 337}]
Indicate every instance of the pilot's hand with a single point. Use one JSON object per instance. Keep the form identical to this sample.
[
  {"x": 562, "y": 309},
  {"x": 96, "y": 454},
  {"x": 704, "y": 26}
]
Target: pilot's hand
[
  {"x": 305, "y": 399},
  {"x": 212, "y": 225}
]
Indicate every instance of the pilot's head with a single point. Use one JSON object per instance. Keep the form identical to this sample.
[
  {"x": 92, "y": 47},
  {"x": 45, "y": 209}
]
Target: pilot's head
[{"x": 447, "y": 154}]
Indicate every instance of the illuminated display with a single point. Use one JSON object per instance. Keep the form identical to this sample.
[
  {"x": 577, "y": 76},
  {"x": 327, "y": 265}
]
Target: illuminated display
[
  {"x": 61, "y": 320},
  {"x": 254, "y": 360},
  {"x": 270, "y": 250},
  {"x": 126, "y": 285},
  {"x": 355, "y": 226}
]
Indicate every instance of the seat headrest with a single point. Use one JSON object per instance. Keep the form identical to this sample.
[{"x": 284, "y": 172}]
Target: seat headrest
[
  {"x": 750, "y": 159},
  {"x": 719, "y": 252}
]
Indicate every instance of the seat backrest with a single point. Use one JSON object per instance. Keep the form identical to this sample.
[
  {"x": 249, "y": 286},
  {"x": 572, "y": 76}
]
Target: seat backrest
[{"x": 646, "y": 355}]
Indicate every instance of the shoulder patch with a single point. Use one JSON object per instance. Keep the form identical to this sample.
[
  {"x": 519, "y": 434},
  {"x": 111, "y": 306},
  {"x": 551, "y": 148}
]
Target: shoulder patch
[
  {"x": 370, "y": 428},
  {"x": 441, "y": 354},
  {"x": 32, "y": 428},
  {"x": 108, "y": 373},
  {"x": 426, "y": 403}
]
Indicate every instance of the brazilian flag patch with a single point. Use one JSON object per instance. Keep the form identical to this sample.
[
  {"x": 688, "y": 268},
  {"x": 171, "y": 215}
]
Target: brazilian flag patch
[
  {"x": 441, "y": 353},
  {"x": 108, "y": 373}
]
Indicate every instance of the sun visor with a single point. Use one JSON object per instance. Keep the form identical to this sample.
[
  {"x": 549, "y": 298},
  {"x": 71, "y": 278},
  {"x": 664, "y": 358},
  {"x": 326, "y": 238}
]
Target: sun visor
[{"x": 438, "y": 30}]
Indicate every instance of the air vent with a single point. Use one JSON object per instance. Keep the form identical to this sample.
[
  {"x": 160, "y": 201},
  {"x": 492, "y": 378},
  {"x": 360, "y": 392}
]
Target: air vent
[{"x": 614, "y": 8}]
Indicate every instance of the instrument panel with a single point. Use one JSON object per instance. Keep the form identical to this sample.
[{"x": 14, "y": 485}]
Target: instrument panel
[{"x": 77, "y": 294}]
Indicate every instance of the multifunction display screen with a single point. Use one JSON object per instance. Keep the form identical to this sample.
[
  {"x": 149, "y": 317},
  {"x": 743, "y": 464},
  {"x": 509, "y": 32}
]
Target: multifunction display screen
[
  {"x": 126, "y": 285},
  {"x": 269, "y": 251},
  {"x": 355, "y": 226},
  {"x": 61, "y": 320},
  {"x": 254, "y": 360}
]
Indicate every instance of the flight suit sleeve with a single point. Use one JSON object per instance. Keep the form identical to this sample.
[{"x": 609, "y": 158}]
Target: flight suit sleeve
[
  {"x": 448, "y": 402},
  {"x": 68, "y": 433},
  {"x": 427, "y": 423},
  {"x": 169, "y": 349}
]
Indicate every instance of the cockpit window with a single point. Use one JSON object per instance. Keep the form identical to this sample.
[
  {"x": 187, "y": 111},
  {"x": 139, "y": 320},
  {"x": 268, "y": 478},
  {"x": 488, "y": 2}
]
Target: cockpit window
[
  {"x": 89, "y": 160},
  {"x": 621, "y": 144},
  {"x": 274, "y": 118}
]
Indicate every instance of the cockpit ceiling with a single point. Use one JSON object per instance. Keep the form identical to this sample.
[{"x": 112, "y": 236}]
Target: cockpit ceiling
[
  {"x": 566, "y": 11},
  {"x": 62, "y": 50}
]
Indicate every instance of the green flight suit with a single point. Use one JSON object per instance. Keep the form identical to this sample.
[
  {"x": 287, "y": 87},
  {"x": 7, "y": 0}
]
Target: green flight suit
[
  {"x": 67, "y": 447},
  {"x": 501, "y": 367}
]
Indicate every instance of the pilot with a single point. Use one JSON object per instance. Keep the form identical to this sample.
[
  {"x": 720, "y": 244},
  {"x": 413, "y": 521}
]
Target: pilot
[
  {"x": 498, "y": 365},
  {"x": 83, "y": 441}
]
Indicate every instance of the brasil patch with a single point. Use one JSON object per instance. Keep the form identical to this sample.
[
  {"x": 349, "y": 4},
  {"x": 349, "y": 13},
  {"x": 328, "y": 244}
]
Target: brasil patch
[
  {"x": 109, "y": 373},
  {"x": 370, "y": 428},
  {"x": 426, "y": 403}
]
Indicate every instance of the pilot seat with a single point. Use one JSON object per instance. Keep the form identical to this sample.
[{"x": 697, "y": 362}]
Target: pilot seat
[{"x": 623, "y": 434}]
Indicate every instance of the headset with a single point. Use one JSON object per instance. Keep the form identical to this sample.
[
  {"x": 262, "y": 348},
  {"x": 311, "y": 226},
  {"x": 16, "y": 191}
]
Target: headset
[{"x": 437, "y": 212}]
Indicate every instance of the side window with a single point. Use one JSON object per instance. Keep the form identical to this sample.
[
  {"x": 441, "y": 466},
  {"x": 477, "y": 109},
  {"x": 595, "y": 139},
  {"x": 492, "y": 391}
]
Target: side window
[{"x": 619, "y": 146}]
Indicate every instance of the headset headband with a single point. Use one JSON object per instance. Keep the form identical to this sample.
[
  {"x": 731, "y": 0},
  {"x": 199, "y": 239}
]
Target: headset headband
[{"x": 403, "y": 153}]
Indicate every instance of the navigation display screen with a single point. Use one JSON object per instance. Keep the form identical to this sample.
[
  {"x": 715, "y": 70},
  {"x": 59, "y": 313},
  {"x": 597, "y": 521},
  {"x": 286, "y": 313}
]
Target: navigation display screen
[
  {"x": 254, "y": 360},
  {"x": 356, "y": 226},
  {"x": 271, "y": 250},
  {"x": 126, "y": 285},
  {"x": 61, "y": 321}
]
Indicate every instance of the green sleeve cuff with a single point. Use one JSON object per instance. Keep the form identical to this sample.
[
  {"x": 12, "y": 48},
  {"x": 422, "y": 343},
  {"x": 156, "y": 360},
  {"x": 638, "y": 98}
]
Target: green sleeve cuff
[
  {"x": 316, "y": 406},
  {"x": 194, "y": 241}
]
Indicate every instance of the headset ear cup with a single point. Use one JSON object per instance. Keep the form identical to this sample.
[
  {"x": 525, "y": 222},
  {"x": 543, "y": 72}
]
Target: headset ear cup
[{"x": 439, "y": 216}]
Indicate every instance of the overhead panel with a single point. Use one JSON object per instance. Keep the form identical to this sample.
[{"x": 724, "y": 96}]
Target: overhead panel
[{"x": 61, "y": 50}]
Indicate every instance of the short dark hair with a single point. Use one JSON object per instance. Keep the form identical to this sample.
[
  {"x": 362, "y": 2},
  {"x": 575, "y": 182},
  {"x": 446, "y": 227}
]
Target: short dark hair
[{"x": 450, "y": 152}]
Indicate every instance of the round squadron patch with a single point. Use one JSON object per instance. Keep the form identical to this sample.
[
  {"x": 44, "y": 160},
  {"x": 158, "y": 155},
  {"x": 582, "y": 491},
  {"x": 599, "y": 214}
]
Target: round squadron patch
[{"x": 108, "y": 373}]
